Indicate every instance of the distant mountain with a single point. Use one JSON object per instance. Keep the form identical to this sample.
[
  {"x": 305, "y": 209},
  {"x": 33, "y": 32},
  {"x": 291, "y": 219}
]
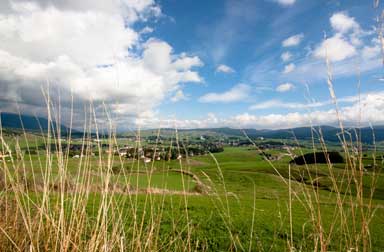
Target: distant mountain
[
  {"x": 29, "y": 123},
  {"x": 329, "y": 133}
]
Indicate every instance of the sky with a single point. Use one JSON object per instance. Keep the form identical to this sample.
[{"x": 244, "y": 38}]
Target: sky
[{"x": 260, "y": 64}]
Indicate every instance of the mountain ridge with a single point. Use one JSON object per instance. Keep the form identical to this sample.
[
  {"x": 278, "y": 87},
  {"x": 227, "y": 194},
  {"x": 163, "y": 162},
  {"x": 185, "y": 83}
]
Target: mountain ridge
[
  {"x": 28, "y": 122},
  {"x": 329, "y": 133}
]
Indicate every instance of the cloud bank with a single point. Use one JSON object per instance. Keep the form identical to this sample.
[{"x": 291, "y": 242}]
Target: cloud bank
[
  {"x": 88, "y": 49},
  {"x": 372, "y": 105}
]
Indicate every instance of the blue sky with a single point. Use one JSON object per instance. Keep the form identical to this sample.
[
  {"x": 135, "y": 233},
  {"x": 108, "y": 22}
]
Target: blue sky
[
  {"x": 247, "y": 36},
  {"x": 235, "y": 63}
]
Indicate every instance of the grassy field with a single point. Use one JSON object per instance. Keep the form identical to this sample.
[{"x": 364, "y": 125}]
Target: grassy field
[{"x": 235, "y": 200}]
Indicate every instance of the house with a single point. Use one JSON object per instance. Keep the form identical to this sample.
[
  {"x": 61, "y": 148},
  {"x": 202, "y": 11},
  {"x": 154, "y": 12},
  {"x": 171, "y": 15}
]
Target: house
[{"x": 124, "y": 151}]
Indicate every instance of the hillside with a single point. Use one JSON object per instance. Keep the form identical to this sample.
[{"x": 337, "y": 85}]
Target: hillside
[{"x": 29, "y": 123}]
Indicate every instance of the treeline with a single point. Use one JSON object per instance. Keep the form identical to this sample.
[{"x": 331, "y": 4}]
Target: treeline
[{"x": 332, "y": 157}]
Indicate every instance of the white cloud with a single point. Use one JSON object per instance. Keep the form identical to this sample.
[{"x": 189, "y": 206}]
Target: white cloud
[
  {"x": 284, "y": 105},
  {"x": 224, "y": 69},
  {"x": 286, "y": 56},
  {"x": 335, "y": 48},
  {"x": 286, "y": 2},
  {"x": 285, "y": 87},
  {"x": 343, "y": 50},
  {"x": 311, "y": 68},
  {"x": 270, "y": 104},
  {"x": 131, "y": 10},
  {"x": 185, "y": 62},
  {"x": 146, "y": 30},
  {"x": 179, "y": 96},
  {"x": 89, "y": 48},
  {"x": 369, "y": 52},
  {"x": 372, "y": 112},
  {"x": 236, "y": 93},
  {"x": 289, "y": 68},
  {"x": 293, "y": 40},
  {"x": 342, "y": 23},
  {"x": 345, "y": 42}
]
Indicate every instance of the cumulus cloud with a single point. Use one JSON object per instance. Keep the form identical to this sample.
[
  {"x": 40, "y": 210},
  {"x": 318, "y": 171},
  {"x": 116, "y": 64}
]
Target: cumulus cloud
[
  {"x": 343, "y": 23},
  {"x": 285, "y": 87},
  {"x": 343, "y": 44},
  {"x": 335, "y": 48},
  {"x": 286, "y": 56},
  {"x": 224, "y": 69},
  {"x": 91, "y": 50},
  {"x": 344, "y": 54},
  {"x": 293, "y": 40},
  {"x": 236, "y": 93},
  {"x": 343, "y": 51},
  {"x": 289, "y": 68}
]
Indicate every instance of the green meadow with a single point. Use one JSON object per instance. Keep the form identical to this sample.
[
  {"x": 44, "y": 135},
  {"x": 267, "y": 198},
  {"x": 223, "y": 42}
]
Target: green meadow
[{"x": 235, "y": 200}]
